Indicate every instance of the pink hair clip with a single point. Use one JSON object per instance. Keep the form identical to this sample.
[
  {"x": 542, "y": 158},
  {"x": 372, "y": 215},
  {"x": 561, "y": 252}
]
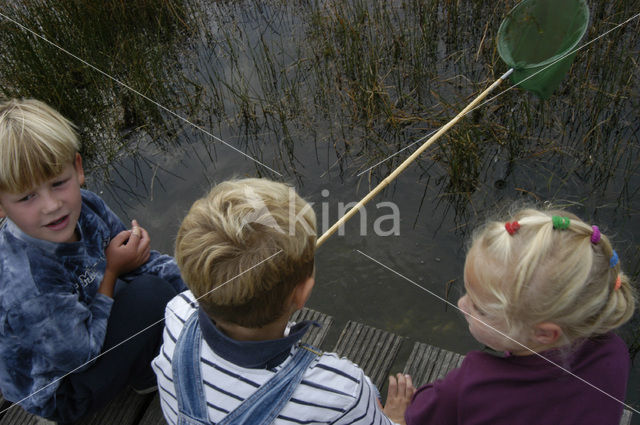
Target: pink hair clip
[
  {"x": 512, "y": 227},
  {"x": 618, "y": 283},
  {"x": 595, "y": 236}
]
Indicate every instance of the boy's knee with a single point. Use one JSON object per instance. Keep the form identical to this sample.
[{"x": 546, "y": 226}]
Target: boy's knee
[
  {"x": 152, "y": 285},
  {"x": 146, "y": 296}
]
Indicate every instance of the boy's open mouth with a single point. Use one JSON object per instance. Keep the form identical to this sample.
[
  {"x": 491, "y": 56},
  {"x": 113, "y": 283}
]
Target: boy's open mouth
[{"x": 57, "y": 222}]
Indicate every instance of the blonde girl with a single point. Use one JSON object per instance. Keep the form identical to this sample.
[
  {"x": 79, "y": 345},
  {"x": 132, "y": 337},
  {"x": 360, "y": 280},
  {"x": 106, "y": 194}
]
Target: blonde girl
[{"x": 545, "y": 289}]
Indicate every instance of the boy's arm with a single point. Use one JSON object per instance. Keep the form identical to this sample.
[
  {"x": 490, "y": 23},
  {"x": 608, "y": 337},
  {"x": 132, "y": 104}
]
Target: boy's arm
[
  {"x": 126, "y": 252},
  {"x": 59, "y": 328},
  {"x": 161, "y": 265},
  {"x": 49, "y": 336}
]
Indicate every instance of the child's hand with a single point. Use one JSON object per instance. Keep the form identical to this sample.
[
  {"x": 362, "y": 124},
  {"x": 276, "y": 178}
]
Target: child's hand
[
  {"x": 399, "y": 396},
  {"x": 128, "y": 250}
]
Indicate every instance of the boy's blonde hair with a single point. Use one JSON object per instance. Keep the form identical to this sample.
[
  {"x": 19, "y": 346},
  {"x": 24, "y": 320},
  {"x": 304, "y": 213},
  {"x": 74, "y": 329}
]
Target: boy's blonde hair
[
  {"x": 543, "y": 274},
  {"x": 36, "y": 144},
  {"x": 225, "y": 238}
]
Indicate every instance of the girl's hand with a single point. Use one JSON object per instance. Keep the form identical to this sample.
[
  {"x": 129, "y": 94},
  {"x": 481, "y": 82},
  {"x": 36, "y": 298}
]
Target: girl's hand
[
  {"x": 128, "y": 250},
  {"x": 399, "y": 396}
]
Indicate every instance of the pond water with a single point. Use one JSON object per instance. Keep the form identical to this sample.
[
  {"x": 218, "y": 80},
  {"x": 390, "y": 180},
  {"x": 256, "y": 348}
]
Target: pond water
[{"x": 317, "y": 94}]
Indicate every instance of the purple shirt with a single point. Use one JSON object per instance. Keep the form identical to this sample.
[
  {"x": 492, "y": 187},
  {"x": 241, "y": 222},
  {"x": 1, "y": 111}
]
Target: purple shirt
[{"x": 527, "y": 390}]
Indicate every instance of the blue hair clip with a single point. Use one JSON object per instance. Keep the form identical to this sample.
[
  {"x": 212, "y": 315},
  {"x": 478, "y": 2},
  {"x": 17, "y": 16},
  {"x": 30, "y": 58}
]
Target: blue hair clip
[{"x": 614, "y": 259}]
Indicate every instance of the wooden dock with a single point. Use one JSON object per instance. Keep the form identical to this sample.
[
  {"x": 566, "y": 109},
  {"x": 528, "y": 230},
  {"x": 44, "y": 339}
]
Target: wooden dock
[{"x": 374, "y": 350}]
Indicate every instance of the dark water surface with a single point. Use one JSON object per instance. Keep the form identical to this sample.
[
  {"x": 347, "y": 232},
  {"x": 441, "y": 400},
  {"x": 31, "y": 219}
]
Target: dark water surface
[{"x": 321, "y": 91}]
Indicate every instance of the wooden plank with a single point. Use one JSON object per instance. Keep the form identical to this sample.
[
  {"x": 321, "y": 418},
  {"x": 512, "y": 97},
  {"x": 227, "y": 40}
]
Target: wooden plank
[
  {"x": 125, "y": 409},
  {"x": 153, "y": 415},
  {"x": 17, "y": 416},
  {"x": 3, "y": 405},
  {"x": 427, "y": 363},
  {"x": 314, "y": 336},
  {"x": 12, "y": 414},
  {"x": 374, "y": 350},
  {"x": 626, "y": 417}
]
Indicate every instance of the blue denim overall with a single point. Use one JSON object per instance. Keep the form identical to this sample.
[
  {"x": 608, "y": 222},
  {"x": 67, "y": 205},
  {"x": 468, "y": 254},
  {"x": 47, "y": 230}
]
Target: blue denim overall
[{"x": 261, "y": 408}]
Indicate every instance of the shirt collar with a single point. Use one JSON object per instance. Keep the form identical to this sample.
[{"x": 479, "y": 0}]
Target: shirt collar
[{"x": 251, "y": 354}]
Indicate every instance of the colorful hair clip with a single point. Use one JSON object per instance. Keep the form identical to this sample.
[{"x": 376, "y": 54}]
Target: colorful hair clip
[
  {"x": 595, "y": 236},
  {"x": 614, "y": 259},
  {"x": 560, "y": 223},
  {"x": 512, "y": 227},
  {"x": 618, "y": 283}
]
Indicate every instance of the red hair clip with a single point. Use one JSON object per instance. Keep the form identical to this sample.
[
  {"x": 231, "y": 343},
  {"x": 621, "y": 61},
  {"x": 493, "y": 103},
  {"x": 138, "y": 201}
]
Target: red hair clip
[
  {"x": 512, "y": 227},
  {"x": 618, "y": 283}
]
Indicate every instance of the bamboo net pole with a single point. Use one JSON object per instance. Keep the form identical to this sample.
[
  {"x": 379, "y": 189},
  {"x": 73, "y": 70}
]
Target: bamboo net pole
[{"x": 384, "y": 183}]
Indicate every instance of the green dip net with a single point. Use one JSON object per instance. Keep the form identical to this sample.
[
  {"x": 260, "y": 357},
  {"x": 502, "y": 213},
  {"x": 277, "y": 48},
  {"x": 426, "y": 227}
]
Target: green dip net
[{"x": 538, "y": 38}]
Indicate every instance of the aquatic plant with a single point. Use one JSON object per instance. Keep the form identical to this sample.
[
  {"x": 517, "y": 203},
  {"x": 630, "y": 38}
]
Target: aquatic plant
[{"x": 126, "y": 40}]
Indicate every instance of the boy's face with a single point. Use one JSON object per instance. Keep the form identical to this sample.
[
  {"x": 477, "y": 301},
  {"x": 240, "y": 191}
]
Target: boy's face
[{"x": 50, "y": 210}]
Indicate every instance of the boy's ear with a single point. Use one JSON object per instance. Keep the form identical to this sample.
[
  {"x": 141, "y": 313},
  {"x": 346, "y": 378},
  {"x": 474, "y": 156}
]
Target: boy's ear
[
  {"x": 302, "y": 292},
  {"x": 77, "y": 163},
  {"x": 547, "y": 333}
]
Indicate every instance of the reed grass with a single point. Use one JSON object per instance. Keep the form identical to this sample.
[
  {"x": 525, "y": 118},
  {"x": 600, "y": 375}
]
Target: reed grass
[
  {"x": 397, "y": 69},
  {"x": 127, "y": 40}
]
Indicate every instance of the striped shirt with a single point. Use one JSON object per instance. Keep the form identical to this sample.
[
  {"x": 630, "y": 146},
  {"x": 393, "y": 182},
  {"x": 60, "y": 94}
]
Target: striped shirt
[{"x": 333, "y": 390}]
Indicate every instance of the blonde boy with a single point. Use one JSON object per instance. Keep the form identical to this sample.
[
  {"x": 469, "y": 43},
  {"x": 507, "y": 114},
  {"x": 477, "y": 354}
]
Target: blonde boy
[
  {"x": 246, "y": 251},
  {"x": 63, "y": 251}
]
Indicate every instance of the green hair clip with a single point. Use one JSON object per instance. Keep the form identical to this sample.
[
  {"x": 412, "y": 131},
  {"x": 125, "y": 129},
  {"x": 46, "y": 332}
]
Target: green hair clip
[{"x": 560, "y": 223}]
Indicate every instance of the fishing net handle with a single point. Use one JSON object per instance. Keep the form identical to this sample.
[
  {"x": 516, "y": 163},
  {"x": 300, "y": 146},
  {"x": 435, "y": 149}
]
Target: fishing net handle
[{"x": 384, "y": 183}]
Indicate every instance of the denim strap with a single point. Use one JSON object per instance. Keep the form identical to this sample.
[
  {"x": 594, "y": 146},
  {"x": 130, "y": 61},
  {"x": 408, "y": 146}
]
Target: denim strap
[
  {"x": 192, "y": 407},
  {"x": 263, "y": 406}
]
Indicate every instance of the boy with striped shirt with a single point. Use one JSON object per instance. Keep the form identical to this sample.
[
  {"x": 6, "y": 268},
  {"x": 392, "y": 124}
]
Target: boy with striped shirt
[{"x": 246, "y": 252}]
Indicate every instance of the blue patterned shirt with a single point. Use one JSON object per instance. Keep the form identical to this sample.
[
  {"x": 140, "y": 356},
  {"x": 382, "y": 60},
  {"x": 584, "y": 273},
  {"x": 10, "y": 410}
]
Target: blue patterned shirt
[{"x": 52, "y": 320}]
